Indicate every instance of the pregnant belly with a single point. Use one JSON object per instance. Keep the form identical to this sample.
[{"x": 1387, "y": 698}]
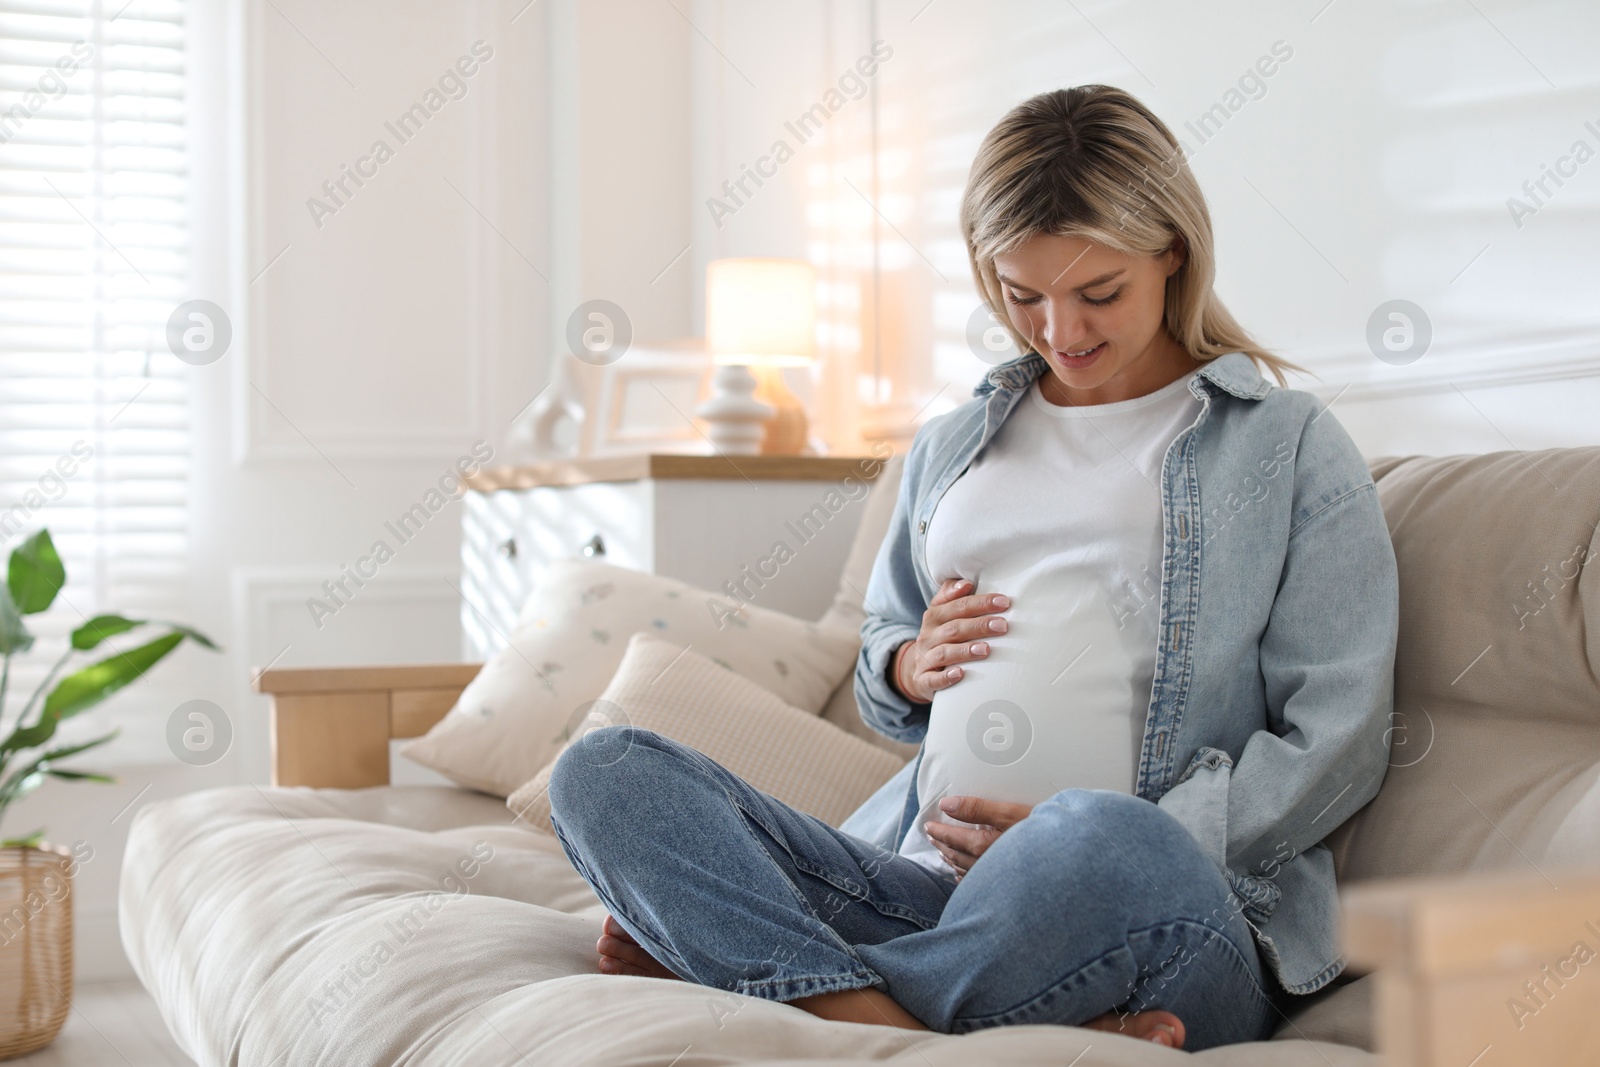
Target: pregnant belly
[{"x": 1057, "y": 704}]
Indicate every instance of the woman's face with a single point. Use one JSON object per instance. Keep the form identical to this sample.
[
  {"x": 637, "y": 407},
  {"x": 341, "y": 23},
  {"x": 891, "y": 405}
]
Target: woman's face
[{"x": 1096, "y": 315}]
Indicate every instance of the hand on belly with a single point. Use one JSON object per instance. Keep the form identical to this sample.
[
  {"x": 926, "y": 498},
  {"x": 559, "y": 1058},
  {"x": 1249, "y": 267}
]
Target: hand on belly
[
  {"x": 955, "y": 631},
  {"x": 962, "y": 845}
]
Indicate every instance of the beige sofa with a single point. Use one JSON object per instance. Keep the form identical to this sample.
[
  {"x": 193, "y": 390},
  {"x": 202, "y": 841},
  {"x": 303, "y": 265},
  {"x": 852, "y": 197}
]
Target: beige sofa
[{"x": 294, "y": 925}]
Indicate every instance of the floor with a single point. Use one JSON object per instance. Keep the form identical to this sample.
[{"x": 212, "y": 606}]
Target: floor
[{"x": 113, "y": 1024}]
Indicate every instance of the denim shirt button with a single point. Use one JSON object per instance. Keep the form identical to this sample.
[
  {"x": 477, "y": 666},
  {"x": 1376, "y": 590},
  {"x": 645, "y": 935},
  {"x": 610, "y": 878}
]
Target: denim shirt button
[{"x": 922, "y": 527}]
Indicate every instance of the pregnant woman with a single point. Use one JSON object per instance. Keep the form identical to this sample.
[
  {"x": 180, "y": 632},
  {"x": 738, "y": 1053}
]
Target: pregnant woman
[{"x": 1139, "y": 608}]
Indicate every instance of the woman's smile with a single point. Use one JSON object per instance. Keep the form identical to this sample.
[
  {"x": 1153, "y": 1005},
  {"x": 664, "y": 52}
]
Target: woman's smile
[{"x": 1081, "y": 358}]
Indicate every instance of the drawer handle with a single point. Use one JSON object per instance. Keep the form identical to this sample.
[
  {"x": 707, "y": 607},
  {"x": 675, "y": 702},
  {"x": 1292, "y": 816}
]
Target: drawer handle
[
  {"x": 594, "y": 547},
  {"x": 508, "y": 548}
]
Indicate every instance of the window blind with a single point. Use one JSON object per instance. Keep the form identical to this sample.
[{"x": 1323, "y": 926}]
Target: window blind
[{"x": 93, "y": 260}]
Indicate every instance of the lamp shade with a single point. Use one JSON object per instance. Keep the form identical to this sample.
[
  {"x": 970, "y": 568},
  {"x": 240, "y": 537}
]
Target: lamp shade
[{"x": 761, "y": 311}]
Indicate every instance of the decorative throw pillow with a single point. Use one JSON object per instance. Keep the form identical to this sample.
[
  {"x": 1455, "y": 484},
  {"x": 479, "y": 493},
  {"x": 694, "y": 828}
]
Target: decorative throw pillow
[
  {"x": 570, "y": 636},
  {"x": 808, "y": 764}
]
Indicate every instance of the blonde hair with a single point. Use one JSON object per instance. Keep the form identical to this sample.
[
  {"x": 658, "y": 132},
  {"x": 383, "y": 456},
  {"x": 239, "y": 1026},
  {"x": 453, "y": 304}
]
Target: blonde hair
[{"x": 1094, "y": 163}]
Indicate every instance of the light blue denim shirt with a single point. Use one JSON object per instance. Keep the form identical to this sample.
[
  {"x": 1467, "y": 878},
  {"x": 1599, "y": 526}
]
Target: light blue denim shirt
[{"x": 1268, "y": 723}]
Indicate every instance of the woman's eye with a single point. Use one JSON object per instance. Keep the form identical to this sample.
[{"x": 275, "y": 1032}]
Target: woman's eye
[{"x": 1034, "y": 299}]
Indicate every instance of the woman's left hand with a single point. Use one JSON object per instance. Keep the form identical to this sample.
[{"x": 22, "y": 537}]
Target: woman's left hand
[{"x": 962, "y": 845}]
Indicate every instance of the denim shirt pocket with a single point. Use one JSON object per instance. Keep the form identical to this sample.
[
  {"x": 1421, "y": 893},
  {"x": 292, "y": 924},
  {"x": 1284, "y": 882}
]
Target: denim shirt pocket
[{"x": 1199, "y": 800}]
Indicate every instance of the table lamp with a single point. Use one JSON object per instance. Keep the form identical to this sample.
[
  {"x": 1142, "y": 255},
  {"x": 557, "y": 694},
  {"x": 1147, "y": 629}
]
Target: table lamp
[{"x": 761, "y": 316}]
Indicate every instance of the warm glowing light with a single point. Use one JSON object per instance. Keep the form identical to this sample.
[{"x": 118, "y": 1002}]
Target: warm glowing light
[{"x": 761, "y": 311}]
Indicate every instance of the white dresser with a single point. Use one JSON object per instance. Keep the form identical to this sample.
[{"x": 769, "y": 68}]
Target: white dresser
[{"x": 706, "y": 520}]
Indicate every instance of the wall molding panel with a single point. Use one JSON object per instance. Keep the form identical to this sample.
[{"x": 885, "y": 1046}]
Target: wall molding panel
[
  {"x": 267, "y": 425},
  {"x": 377, "y": 625},
  {"x": 1358, "y": 375}
]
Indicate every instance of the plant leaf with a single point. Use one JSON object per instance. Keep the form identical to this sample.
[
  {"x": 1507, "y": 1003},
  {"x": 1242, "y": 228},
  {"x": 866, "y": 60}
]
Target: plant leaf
[
  {"x": 85, "y": 688},
  {"x": 29, "y": 778},
  {"x": 194, "y": 635},
  {"x": 35, "y": 574},
  {"x": 18, "y": 786},
  {"x": 33, "y": 840},
  {"x": 14, "y": 636},
  {"x": 31, "y": 736},
  {"x": 55, "y": 755},
  {"x": 101, "y": 627},
  {"x": 80, "y": 776},
  {"x": 43, "y": 759}
]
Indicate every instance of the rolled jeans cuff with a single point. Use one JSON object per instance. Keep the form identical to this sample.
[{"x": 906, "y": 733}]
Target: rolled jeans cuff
[{"x": 787, "y": 989}]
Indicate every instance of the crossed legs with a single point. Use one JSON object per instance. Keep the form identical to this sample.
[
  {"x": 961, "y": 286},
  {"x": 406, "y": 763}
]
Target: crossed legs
[{"x": 1097, "y": 910}]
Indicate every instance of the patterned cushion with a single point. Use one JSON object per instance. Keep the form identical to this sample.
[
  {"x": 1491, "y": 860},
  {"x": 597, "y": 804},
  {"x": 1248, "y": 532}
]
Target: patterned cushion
[{"x": 518, "y": 712}]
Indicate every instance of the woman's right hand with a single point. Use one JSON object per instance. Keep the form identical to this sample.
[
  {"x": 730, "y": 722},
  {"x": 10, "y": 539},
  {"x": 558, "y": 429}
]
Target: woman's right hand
[{"x": 954, "y": 631}]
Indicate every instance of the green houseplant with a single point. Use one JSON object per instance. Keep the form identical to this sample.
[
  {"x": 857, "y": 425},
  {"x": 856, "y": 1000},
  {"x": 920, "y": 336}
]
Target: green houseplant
[{"x": 36, "y": 879}]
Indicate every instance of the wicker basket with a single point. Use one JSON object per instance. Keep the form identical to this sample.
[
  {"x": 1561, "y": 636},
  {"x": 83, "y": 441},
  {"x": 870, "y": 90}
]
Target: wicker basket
[{"x": 35, "y": 946}]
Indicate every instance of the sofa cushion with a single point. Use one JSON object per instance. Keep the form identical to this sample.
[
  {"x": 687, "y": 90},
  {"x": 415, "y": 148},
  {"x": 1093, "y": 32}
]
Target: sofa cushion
[
  {"x": 571, "y": 633},
  {"x": 1495, "y": 745},
  {"x": 808, "y": 764},
  {"x": 848, "y": 610},
  {"x": 1340, "y": 1013}
]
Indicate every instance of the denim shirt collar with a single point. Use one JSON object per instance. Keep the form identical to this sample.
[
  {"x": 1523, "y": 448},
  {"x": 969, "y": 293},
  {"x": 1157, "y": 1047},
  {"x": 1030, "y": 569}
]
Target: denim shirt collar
[{"x": 1234, "y": 372}]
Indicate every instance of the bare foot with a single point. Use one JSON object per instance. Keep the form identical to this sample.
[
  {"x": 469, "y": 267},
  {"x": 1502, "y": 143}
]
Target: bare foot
[
  {"x": 1162, "y": 1027},
  {"x": 859, "y": 1006},
  {"x": 621, "y": 954}
]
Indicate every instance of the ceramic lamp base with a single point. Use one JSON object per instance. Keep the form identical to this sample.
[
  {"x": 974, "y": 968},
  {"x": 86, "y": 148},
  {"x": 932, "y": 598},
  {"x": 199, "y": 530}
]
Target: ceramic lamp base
[{"x": 735, "y": 419}]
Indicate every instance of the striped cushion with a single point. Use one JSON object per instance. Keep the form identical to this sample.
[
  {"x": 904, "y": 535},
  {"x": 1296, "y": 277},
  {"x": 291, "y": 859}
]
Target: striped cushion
[{"x": 796, "y": 757}]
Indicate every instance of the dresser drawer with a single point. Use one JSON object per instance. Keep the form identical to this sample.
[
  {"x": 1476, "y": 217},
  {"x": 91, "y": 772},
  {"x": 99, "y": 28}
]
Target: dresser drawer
[{"x": 511, "y": 536}]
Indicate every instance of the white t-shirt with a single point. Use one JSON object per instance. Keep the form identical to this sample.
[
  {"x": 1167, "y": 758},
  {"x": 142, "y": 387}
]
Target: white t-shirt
[{"x": 1061, "y": 512}]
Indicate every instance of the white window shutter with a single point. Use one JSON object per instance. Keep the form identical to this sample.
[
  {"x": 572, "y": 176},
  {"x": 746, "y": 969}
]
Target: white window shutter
[{"x": 93, "y": 260}]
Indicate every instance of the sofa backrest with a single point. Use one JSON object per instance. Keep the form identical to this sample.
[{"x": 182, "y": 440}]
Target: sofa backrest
[{"x": 1495, "y": 749}]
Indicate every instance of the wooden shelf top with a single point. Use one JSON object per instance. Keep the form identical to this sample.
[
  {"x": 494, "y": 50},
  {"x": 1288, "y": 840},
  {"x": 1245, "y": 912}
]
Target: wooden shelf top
[{"x": 628, "y": 468}]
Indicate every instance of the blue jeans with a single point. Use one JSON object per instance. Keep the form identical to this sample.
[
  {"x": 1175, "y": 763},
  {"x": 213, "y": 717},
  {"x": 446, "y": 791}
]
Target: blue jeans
[{"x": 1096, "y": 902}]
